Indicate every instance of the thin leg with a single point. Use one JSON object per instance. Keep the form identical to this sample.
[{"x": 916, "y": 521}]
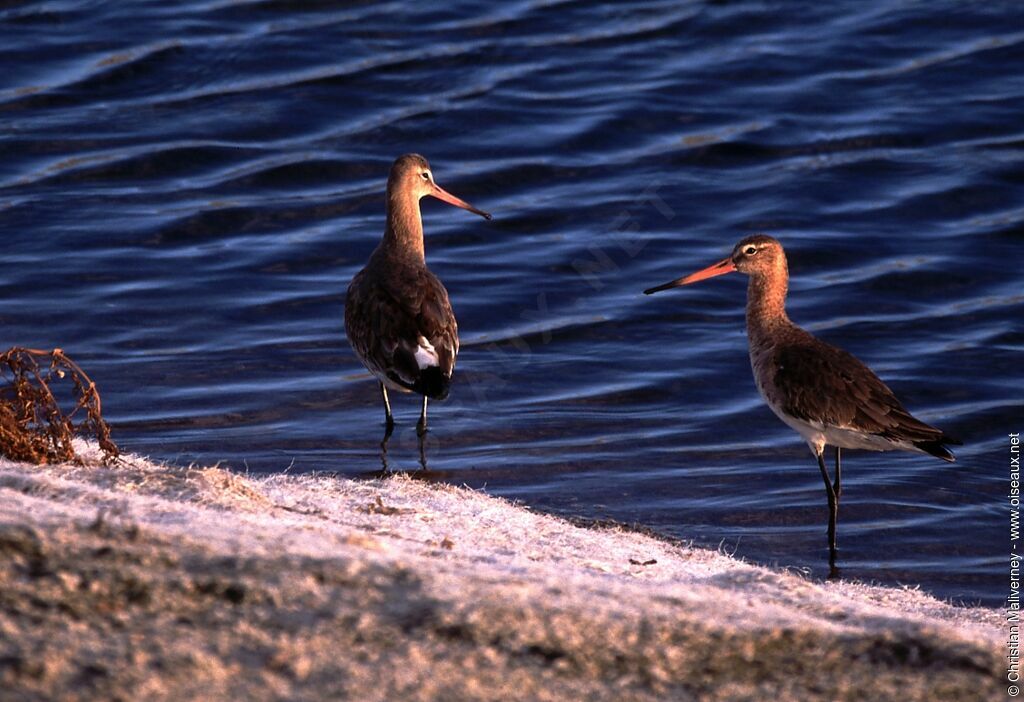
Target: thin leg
[
  {"x": 423, "y": 452},
  {"x": 385, "y": 468},
  {"x": 833, "y": 510},
  {"x": 421, "y": 426},
  {"x": 837, "y": 486},
  {"x": 389, "y": 421}
]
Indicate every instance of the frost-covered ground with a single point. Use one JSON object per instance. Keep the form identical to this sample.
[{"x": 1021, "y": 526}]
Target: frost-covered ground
[{"x": 143, "y": 581}]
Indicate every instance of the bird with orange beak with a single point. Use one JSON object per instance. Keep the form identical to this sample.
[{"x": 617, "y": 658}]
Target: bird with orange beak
[
  {"x": 824, "y": 393},
  {"x": 397, "y": 315}
]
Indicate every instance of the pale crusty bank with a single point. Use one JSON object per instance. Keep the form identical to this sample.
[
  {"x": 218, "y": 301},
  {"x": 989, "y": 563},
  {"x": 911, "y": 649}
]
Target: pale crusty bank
[{"x": 150, "y": 582}]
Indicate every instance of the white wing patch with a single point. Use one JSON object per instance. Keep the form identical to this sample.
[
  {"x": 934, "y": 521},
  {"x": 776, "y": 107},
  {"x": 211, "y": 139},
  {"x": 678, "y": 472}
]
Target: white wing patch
[{"x": 426, "y": 354}]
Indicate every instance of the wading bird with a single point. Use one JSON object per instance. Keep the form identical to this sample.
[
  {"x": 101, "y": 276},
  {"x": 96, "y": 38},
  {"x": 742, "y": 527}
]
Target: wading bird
[
  {"x": 397, "y": 314},
  {"x": 824, "y": 393}
]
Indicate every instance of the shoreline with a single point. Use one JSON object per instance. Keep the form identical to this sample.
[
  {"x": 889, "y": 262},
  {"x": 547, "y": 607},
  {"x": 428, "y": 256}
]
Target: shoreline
[{"x": 151, "y": 581}]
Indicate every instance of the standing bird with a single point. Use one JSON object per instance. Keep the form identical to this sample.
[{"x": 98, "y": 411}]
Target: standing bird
[
  {"x": 397, "y": 315},
  {"x": 824, "y": 393}
]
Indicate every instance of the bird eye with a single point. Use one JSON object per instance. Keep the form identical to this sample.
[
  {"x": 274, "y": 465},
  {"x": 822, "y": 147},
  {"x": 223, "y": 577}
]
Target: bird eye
[
  {"x": 750, "y": 250},
  {"x": 425, "y": 176}
]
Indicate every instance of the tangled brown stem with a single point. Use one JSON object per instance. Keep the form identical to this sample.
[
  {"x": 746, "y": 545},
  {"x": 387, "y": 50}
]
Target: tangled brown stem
[{"x": 33, "y": 427}]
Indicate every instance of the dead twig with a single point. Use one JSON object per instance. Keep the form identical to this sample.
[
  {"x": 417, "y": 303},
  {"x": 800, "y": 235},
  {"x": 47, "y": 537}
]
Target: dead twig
[{"x": 33, "y": 425}]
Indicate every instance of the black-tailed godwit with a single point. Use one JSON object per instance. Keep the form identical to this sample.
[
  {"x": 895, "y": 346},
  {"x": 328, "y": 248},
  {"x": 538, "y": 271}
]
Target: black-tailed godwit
[
  {"x": 824, "y": 393},
  {"x": 397, "y": 314}
]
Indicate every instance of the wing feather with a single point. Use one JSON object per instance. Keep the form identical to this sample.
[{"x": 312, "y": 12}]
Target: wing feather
[
  {"x": 388, "y": 317},
  {"x": 818, "y": 382}
]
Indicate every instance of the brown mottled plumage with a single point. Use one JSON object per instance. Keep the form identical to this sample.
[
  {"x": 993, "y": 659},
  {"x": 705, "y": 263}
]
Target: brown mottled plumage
[
  {"x": 824, "y": 393},
  {"x": 397, "y": 314},
  {"x": 387, "y": 316}
]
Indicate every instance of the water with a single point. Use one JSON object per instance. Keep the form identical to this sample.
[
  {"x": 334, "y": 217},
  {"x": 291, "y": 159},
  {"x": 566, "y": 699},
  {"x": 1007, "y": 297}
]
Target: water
[{"x": 187, "y": 188}]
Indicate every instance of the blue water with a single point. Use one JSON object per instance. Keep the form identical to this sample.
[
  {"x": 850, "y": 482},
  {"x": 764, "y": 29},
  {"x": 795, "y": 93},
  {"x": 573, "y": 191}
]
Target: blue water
[{"x": 187, "y": 188}]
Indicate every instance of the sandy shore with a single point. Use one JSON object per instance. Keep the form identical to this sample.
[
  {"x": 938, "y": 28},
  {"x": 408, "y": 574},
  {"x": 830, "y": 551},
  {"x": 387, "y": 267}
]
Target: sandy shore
[{"x": 152, "y": 582}]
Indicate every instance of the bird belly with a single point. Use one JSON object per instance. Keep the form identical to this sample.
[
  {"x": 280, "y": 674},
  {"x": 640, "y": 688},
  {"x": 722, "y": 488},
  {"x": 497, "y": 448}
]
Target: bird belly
[
  {"x": 853, "y": 439},
  {"x": 818, "y": 435}
]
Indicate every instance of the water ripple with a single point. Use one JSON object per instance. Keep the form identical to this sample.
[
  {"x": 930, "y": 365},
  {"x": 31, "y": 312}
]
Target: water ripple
[{"x": 187, "y": 188}]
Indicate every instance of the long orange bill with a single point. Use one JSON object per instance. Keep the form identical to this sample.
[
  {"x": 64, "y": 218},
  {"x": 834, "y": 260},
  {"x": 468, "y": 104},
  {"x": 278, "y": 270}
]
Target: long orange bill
[
  {"x": 442, "y": 194},
  {"x": 721, "y": 268}
]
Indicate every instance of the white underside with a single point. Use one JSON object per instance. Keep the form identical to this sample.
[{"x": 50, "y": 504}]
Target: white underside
[{"x": 819, "y": 435}]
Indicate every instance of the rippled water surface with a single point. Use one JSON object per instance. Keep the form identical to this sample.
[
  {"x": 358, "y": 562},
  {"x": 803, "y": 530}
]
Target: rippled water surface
[{"x": 186, "y": 189}]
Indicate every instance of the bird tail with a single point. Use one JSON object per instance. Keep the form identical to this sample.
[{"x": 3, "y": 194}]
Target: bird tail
[
  {"x": 433, "y": 383},
  {"x": 937, "y": 448}
]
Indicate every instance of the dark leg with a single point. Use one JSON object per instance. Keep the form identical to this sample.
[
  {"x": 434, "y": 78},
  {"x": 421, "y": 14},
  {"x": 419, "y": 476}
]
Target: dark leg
[
  {"x": 389, "y": 421},
  {"x": 833, "y": 510},
  {"x": 837, "y": 486},
  {"x": 385, "y": 468},
  {"x": 421, "y": 426},
  {"x": 423, "y": 452}
]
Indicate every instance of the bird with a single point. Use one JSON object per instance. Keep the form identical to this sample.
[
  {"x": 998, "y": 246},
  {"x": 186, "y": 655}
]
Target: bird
[
  {"x": 398, "y": 318},
  {"x": 823, "y": 392}
]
